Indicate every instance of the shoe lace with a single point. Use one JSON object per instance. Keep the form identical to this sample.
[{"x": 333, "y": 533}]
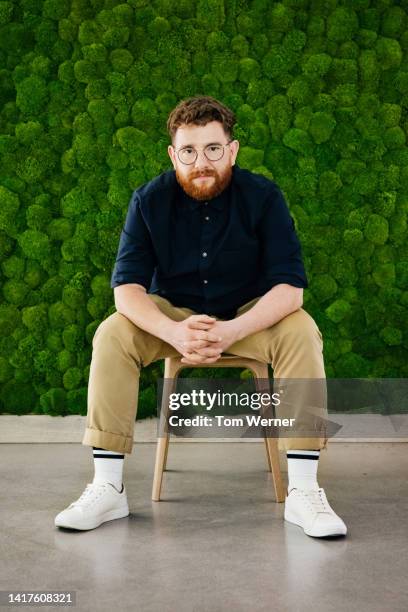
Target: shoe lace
[
  {"x": 316, "y": 499},
  {"x": 91, "y": 493}
]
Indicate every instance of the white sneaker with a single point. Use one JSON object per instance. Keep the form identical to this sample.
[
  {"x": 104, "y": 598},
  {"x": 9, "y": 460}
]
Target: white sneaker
[
  {"x": 99, "y": 502},
  {"x": 310, "y": 509}
]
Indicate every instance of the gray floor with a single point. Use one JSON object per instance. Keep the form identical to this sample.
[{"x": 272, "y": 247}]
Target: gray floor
[{"x": 217, "y": 541}]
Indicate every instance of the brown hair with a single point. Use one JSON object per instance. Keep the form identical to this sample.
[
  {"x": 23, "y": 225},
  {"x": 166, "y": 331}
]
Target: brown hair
[{"x": 200, "y": 110}]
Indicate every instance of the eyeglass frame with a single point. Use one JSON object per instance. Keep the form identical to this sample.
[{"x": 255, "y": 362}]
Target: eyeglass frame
[{"x": 203, "y": 149}]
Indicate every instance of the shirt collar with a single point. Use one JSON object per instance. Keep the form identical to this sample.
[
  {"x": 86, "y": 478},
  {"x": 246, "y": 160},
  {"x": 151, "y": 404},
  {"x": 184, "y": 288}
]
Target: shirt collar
[{"x": 218, "y": 203}]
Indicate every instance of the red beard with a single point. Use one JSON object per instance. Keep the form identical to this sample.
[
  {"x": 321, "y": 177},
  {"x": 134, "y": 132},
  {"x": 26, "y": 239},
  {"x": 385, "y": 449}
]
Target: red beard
[{"x": 205, "y": 189}]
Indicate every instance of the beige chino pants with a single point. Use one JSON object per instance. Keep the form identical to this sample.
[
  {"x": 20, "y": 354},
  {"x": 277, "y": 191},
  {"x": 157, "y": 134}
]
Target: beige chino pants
[{"x": 293, "y": 346}]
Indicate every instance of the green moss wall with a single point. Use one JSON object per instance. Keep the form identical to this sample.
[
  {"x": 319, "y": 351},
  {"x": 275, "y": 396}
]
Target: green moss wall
[{"x": 320, "y": 91}]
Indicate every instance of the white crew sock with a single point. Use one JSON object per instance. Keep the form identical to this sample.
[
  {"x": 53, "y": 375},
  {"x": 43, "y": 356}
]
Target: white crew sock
[
  {"x": 108, "y": 467},
  {"x": 302, "y": 469}
]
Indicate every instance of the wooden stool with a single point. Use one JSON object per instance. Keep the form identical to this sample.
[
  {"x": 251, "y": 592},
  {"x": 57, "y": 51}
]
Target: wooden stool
[{"x": 172, "y": 367}]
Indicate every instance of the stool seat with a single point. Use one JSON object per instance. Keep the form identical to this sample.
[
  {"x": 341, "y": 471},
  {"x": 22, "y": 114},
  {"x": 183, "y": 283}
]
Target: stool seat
[{"x": 172, "y": 367}]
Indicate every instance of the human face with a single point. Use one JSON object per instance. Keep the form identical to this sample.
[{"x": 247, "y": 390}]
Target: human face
[{"x": 215, "y": 175}]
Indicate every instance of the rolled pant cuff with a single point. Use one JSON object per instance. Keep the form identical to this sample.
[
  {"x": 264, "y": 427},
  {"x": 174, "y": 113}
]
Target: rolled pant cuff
[
  {"x": 286, "y": 444},
  {"x": 107, "y": 440}
]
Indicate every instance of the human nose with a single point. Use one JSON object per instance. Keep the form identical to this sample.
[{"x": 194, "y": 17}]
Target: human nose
[{"x": 201, "y": 160}]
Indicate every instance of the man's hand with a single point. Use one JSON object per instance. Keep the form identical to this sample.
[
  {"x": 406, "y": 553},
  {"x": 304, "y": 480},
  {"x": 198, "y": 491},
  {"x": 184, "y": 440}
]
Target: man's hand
[
  {"x": 202, "y": 351},
  {"x": 195, "y": 333}
]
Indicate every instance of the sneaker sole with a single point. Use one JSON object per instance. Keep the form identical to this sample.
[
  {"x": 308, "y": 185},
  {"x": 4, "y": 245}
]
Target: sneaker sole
[
  {"x": 92, "y": 524},
  {"x": 315, "y": 534}
]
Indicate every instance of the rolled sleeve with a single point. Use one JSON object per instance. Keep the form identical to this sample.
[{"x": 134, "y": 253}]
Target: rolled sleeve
[
  {"x": 281, "y": 257},
  {"x": 135, "y": 260}
]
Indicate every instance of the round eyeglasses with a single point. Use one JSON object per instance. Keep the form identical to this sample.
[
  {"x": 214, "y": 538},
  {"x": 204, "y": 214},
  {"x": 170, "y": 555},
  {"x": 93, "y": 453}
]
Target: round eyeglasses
[{"x": 213, "y": 152}]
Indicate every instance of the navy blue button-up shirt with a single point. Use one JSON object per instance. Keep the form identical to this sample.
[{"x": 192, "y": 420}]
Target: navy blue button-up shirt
[{"x": 209, "y": 256}]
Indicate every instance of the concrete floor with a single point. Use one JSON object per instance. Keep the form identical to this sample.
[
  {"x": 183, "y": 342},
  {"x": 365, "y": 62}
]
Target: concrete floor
[{"x": 217, "y": 541}]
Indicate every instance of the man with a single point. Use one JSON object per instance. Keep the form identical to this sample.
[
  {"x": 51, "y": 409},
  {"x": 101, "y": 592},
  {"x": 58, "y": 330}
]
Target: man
[{"x": 208, "y": 263}]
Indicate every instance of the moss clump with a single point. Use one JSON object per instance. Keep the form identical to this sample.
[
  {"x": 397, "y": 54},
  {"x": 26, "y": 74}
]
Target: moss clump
[
  {"x": 376, "y": 229},
  {"x": 338, "y": 310}
]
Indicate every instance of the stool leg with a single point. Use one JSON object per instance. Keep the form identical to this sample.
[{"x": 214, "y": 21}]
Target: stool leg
[
  {"x": 261, "y": 379},
  {"x": 169, "y": 384},
  {"x": 165, "y": 453},
  {"x": 268, "y": 456},
  {"x": 273, "y": 453}
]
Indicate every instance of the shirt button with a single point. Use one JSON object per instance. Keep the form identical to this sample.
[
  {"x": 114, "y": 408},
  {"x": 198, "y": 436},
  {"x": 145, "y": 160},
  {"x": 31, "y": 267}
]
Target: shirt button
[
  {"x": 205, "y": 281},
  {"x": 204, "y": 254},
  {"x": 205, "y": 203},
  {"x": 207, "y": 218}
]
